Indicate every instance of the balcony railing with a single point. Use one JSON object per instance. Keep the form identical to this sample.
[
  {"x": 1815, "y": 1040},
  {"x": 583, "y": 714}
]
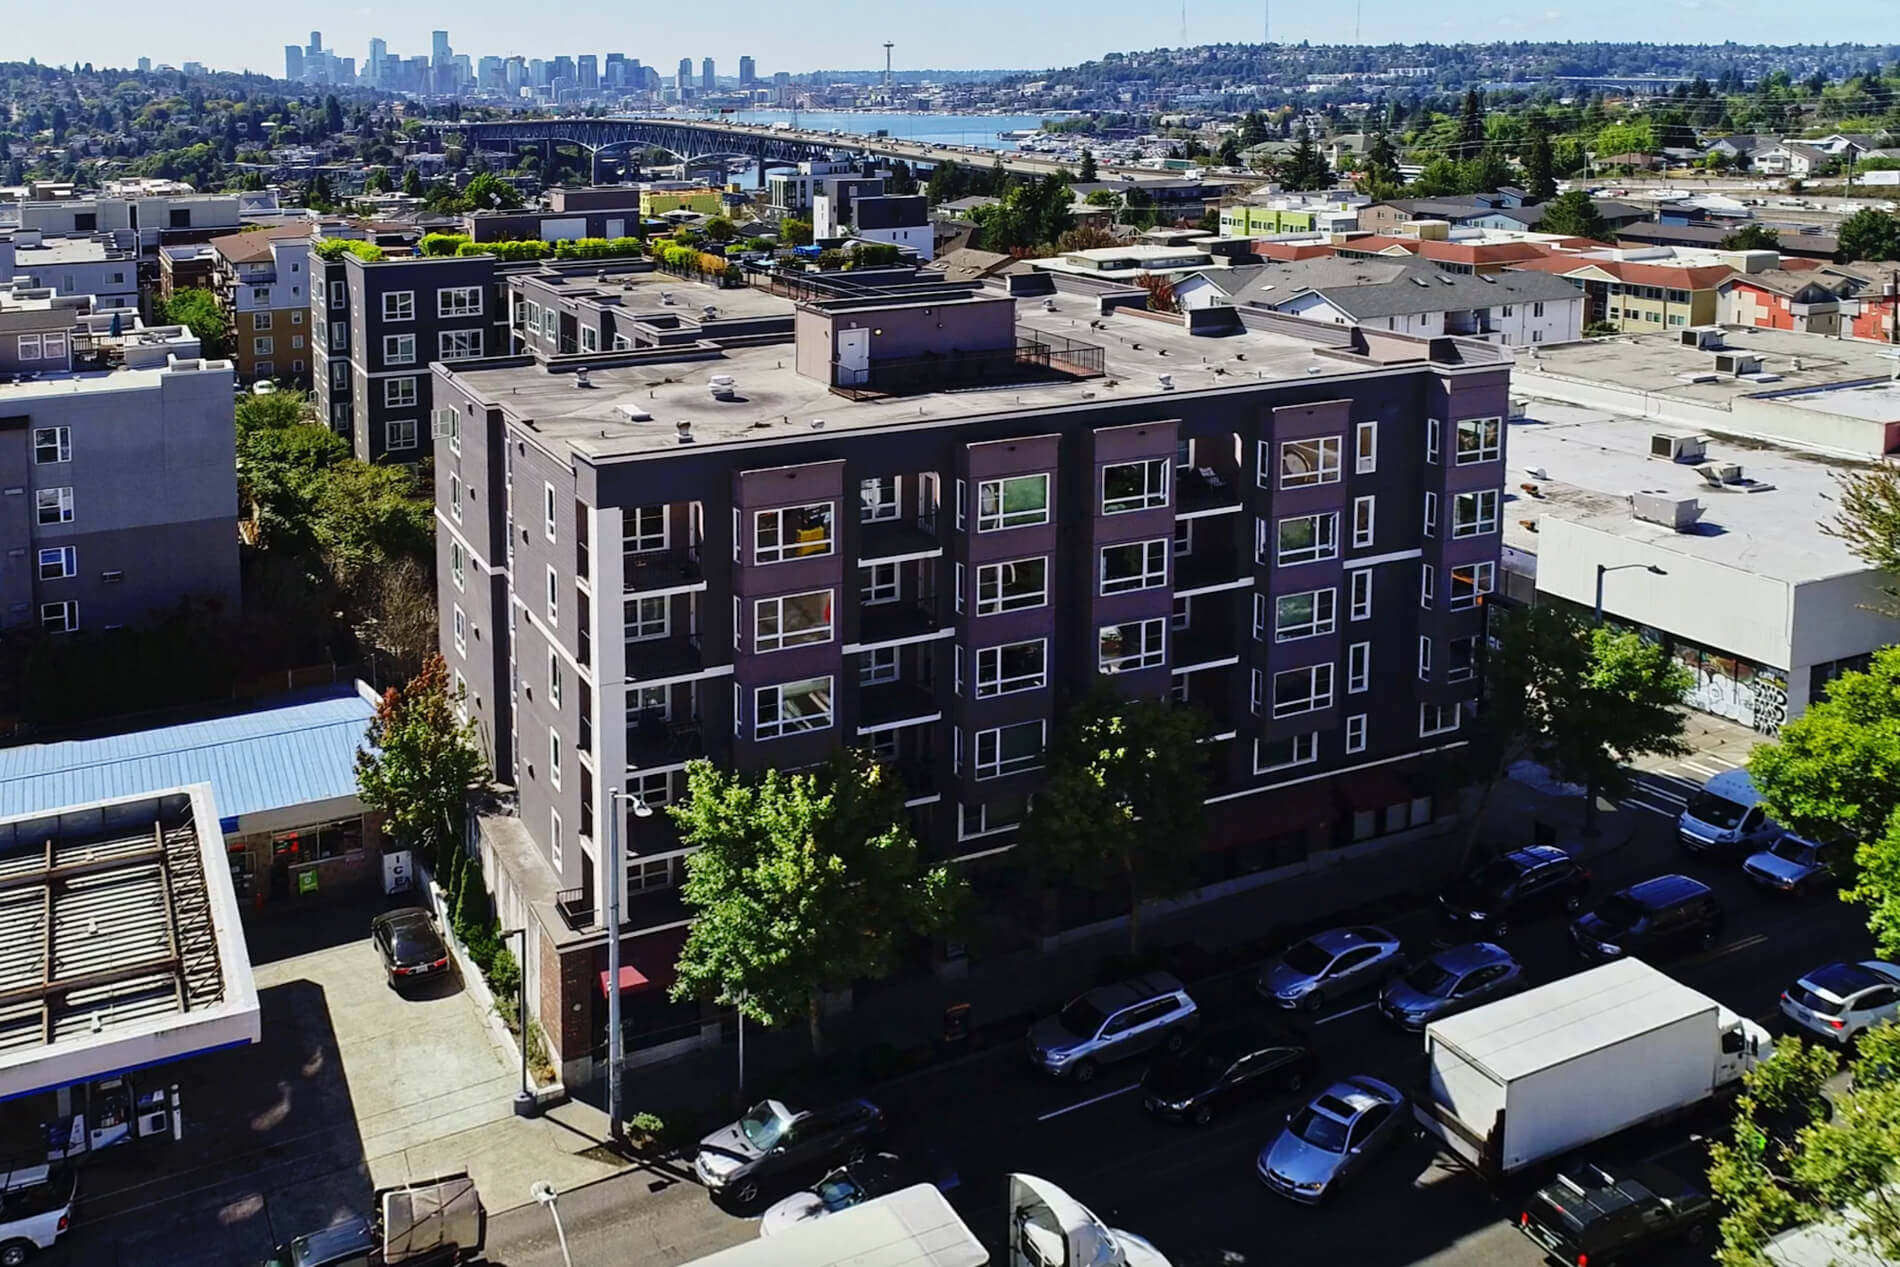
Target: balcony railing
[
  {"x": 884, "y": 703},
  {"x": 1036, "y": 357},
  {"x": 576, "y": 907},
  {"x": 652, "y": 740},
  {"x": 907, "y": 618},
  {"x": 661, "y": 569},
  {"x": 894, "y": 538},
  {"x": 1201, "y": 489},
  {"x": 1209, "y": 563},
  {"x": 654, "y": 659}
]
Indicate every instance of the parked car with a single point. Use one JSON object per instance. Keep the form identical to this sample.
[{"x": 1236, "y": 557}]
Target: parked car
[
  {"x": 410, "y": 945},
  {"x": 1329, "y": 964},
  {"x": 1222, "y": 1069},
  {"x": 1113, "y": 1022},
  {"x": 1794, "y": 865},
  {"x": 1665, "y": 916},
  {"x": 36, "y": 1208},
  {"x": 773, "y": 1143},
  {"x": 1838, "y": 1000},
  {"x": 1596, "y": 1213},
  {"x": 1450, "y": 981},
  {"x": 852, "y": 1184},
  {"x": 1337, "y": 1134},
  {"x": 1514, "y": 886}
]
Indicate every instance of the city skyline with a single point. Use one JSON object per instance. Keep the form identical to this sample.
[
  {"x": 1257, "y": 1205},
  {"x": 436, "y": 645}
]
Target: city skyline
[{"x": 1038, "y": 39}]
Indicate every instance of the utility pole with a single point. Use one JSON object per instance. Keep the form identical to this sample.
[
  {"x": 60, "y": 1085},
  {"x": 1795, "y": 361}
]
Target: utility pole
[{"x": 1183, "y": 23}]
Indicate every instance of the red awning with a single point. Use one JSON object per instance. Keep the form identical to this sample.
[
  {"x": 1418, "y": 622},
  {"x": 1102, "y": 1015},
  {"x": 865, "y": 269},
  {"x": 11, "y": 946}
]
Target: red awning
[{"x": 631, "y": 978}]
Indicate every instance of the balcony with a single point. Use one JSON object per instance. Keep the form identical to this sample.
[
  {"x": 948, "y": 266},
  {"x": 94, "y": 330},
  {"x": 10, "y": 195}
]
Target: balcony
[
  {"x": 890, "y": 705},
  {"x": 653, "y": 661},
  {"x": 662, "y": 571},
  {"x": 1036, "y": 358},
  {"x": 918, "y": 774},
  {"x": 1200, "y": 493},
  {"x": 881, "y": 623},
  {"x": 906, "y": 537},
  {"x": 655, "y": 908},
  {"x": 576, "y": 907},
  {"x": 1210, "y": 646},
  {"x": 1210, "y": 567},
  {"x": 652, "y": 740}
]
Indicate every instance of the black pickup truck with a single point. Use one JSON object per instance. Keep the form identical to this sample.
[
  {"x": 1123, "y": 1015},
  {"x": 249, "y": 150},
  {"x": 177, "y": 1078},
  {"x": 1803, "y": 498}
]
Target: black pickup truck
[{"x": 1597, "y": 1213}]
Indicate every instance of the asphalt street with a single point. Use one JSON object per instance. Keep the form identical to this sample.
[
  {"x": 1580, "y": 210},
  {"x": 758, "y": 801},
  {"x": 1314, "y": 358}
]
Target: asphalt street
[{"x": 1193, "y": 1191}]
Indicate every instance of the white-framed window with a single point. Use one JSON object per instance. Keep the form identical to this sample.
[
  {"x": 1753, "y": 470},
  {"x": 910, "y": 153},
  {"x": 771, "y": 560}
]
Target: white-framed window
[
  {"x": 643, "y": 530},
  {"x": 29, "y": 347},
  {"x": 263, "y": 369},
  {"x": 1010, "y": 667},
  {"x": 1427, "y": 585},
  {"x": 1139, "y": 644},
  {"x": 60, "y": 617},
  {"x": 1358, "y": 667},
  {"x": 1479, "y": 440},
  {"x": 881, "y": 584},
  {"x": 53, "y": 505},
  {"x": 554, "y": 598},
  {"x": 1282, "y": 754},
  {"x": 528, "y": 314},
  {"x": 550, "y": 512},
  {"x": 793, "y": 532},
  {"x": 792, "y": 708},
  {"x": 1359, "y": 594},
  {"x": 1007, "y": 750},
  {"x": 1184, "y": 454},
  {"x": 263, "y": 347},
  {"x": 590, "y": 339},
  {"x": 339, "y": 375},
  {"x": 1432, "y": 427},
  {"x": 1256, "y": 691},
  {"x": 1014, "y": 586},
  {"x": 399, "y": 393},
  {"x": 791, "y": 620},
  {"x": 1303, "y": 690},
  {"x": 458, "y": 345},
  {"x": 260, "y": 320},
  {"x": 455, "y": 497},
  {"x": 1469, "y": 584},
  {"x": 650, "y": 875},
  {"x": 958, "y": 597},
  {"x": 1365, "y": 448},
  {"x": 1019, "y": 501},
  {"x": 1134, "y": 486},
  {"x": 399, "y": 433},
  {"x": 1424, "y": 657},
  {"x": 59, "y": 563},
  {"x": 877, "y": 499},
  {"x": 459, "y": 630},
  {"x": 53, "y": 347},
  {"x": 554, "y": 758},
  {"x": 1306, "y": 463},
  {"x": 1474, "y": 514},
  {"x": 1430, "y": 526},
  {"x": 260, "y": 295},
  {"x": 962, "y": 496},
  {"x": 1305, "y": 615},
  {"x": 1259, "y": 617},
  {"x": 1356, "y": 733},
  {"x": 1363, "y": 509},
  {"x": 339, "y": 294},
  {"x": 1183, "y": 613},
  {"x": 878, "y": 665},
  {"x": 1136, "y": 565},
  {"x": 554, "y": 840},
  {"x": 52, "y": 444},
  {"x": 1183, "y": 537},
  {"x": 458, "y": 301},
  {"x": 1461, "y": 659},
  {"x": 458, "y": 561},
  {"x": 339, "y": 335},
  {"x": 1307, "y": 538},
  {"x": 644, "y": 619},
  {"x": 555, "y": 682},
  {"x": 399, "y": 305},
  {"x": 985, "y": 819},
  {"x": 399, "y": 349},
  {"x": 1437, "y": 719}
]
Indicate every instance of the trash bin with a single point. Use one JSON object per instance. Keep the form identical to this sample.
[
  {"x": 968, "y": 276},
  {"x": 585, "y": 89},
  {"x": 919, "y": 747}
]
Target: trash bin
[{"x": 956, "y": 1023}]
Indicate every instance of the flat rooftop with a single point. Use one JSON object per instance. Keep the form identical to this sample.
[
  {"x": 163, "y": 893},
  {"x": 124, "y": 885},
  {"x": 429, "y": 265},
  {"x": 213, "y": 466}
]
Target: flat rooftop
[
  {"x": 52, "y": 385},
  {"x": 649, "y": 292},
  {"x": 1656, "y": 363},
  {"x": 66, "y": 251},
  {"x": 1593, "y": 461},
  {"x": 775, "y": 401}
]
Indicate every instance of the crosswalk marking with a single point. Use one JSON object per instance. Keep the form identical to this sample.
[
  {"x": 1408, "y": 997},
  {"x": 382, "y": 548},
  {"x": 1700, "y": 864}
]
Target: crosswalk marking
[
  {"x": 1634, "y": 803},
  {"x": 1702, "y": 769}
]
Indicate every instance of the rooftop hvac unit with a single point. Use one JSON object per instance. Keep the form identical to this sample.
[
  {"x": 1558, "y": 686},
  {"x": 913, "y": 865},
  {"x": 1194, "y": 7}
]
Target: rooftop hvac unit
[
  {"x": 1705, "y": 338},
  {"x": 1737, "y": 363},
  {"x": 1678, "y": 514},
  {"x": 1677, "y": 448},
  {"x": 722, "y": 387}
]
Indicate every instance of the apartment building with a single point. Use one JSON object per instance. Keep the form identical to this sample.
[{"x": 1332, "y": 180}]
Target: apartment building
[
  {"x": 600, "y": 211},
  {"x": 1639, "y": 296},
  {"x": 760, "y": 551},
  {"x": 263, "y": 284},
  {"x": 118, "y": 486},
  {"x": 96, "y": 265},
  {"x": 558, "y": 310},
  {"x": 791, "y": 191},
  {"x": 148, "y": 220}
]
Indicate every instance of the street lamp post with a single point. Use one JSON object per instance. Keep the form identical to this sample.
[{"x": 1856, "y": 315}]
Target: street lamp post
[
  {"x": 1604, "y": 569},
  {"x": 616, "y": 1044},
  {"x": 525, "y": 1103},
  {"x": 543, "y": 1192}
]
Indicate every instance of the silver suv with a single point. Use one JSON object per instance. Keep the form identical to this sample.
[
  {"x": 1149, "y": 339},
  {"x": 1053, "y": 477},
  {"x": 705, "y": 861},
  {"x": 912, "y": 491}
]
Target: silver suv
[{"x": 1113, "y": 1022}]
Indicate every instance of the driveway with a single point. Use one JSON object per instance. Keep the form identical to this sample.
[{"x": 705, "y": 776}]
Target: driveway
[{"x": 352, "y": 1087}]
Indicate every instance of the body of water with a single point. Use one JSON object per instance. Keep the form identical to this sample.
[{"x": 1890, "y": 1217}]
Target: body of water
[{"x": 957, "y": 129}]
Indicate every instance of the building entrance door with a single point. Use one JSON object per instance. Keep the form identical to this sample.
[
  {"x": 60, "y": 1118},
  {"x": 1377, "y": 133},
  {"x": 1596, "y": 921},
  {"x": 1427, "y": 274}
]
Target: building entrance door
[{"x": 854, "y": 357}]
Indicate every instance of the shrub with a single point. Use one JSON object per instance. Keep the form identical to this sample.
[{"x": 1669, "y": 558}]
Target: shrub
[
  {"x": 511, "y": 251},
  {"x": 443, "y": 243},
  {"x": 337, "y": 248}
]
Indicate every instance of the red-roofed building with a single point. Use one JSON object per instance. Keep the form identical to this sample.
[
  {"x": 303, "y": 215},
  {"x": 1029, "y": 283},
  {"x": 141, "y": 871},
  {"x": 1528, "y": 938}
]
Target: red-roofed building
[
  {"x": 1463, "y": 257},
  {"x": 1637, "y": 297}
]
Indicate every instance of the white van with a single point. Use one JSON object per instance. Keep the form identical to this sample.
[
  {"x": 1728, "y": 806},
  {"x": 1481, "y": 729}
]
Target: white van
[{"x": 1726, "y": 816}]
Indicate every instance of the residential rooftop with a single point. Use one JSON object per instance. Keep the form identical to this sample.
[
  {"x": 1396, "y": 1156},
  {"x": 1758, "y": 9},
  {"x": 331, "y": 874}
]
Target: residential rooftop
[
  {"x": 51, "y": 385},
  {"x": 30, "y": 256},
  {"x": 652, "y": 291}
]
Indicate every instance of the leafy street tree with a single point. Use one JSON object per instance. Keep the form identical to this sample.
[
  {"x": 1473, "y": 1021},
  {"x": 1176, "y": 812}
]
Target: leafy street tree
[
  {"x": 489, "y": 192},
  {"x": 1869, "y": 234},
  {"x": 1088, "y": 173},
  {"x": 720, "y": 229},
  {"x": 793, "y": 231},
  {"x": 420, "y": 761},
  {"x": 197, "y": 310},
  {"x": 1868, "y": 522},
  {"x": 1624, "y": 701},
  {"x": 1160, "y": 292},
  {"x": 1751, "y": 237},
  {"x": 1228, "y": 155},
  {"x": 801, "y": 883},
  {"x": 1122, "y": 800},
  {"x": 1574, "y": 215},
  {"x": 1835, "y": 775},
  {"x": 1791, "y": 1159}
]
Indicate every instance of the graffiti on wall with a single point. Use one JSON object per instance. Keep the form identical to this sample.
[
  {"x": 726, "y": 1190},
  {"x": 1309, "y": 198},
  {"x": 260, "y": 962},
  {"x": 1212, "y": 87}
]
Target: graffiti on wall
[{"x": 1735, "y": 689}]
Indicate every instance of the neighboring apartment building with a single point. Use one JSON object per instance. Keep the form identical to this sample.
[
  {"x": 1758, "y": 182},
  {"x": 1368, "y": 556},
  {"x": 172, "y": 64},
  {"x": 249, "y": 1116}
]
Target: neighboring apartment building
[
  {"x": 263, "y": 284},
  {"x": 792, "y": 191},
  {"x": 150, "y": 220},
  {"x": 576, "y": 309},
  {"x": 828, "y": 551},
  {"x": 1640, "y": 297},
  {"x": 1496, "y": 209},
  {"x": 118, "y": 487},
  {"x": 1516, "y": 309},
  {"x": 93, "y": 264},
  {"x": 1852, "y": 300},
  {"x": 896, "y": 221},
  {"x": 190, "y": 265},
  {"x": 604, "y": 211}
]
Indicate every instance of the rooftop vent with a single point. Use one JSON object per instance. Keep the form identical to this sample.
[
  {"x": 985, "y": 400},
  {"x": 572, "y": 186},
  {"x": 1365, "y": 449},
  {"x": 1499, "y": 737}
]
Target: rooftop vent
[
  {"x": 1678, "y": 448},
  {"x": 1737, "y": 363},
  {"x": 817, "y": 424},
  {"x": 666, "y": 297},
  {"x": 685, "y": 429},
  {"x": 580, "y": 379},
  {"x": 1049, "y": 305},
  {"x": 1166, "y": 381},
  {"x": 710, "y": 312},
  {"x": 722, "y": 387},
  {"x": 632, "y": 412},
  {"x": 1678, "y": 514},
  {"x": 1706, "y": 338}
]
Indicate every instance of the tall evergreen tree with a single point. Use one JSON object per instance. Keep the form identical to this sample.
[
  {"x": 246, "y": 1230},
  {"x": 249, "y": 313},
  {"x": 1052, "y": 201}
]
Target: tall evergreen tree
[
  {"x": 1540, "y": 178},
  {"x": 1471, "y": 124}
]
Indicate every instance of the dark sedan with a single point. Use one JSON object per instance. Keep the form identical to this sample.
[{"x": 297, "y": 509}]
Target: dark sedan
[
  {"x": 1513, "y": 887},
  {"x": 411, "y": 947},
  {"x": 1222, "y": 1070},
  {"x": 774, "y": 1143}
]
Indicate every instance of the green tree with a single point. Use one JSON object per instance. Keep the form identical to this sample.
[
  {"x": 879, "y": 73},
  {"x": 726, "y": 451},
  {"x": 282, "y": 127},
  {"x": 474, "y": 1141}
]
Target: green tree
[
  {"x": 1751, "y": 237},
  {"x": 1228, "y": 155},
  {"x": 332, "y": 115},
  {"x": 412, "y": 183},
  {"x": 419, "y": 762},
  {"x": 1540, "y": 178},
  {"x": 1122, "y": 800},
  {"x": 1869, "y": 234},
  {"x": 1253, "y": 130},
  {"x": 1794, "y": 1158},
  {"x": 801, "y": 883},
  {"x": 1471, "y": 124},
  {"x": 1439, "y": 176},
  {"x": 1306, "y": 167},
  {"x": 364, "y": 517},
  {"x": 720, "y": 229},
  {"x": 489, "y": 192},
  {"x": 1632, "y": 136},
  {"x": 1625, "y": 702},
  {"x": 1574, "y": 215},
  {"x": 1089, "y": 173},
  {"x": 793, "y": 231},
  {"x": 197, "y": 309},
  {"x": 377, "y": 182}
]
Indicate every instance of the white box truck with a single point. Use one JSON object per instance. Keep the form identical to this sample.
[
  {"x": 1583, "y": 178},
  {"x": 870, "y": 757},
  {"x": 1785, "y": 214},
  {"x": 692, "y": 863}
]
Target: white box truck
[{"x": 1534, "y": 1076}]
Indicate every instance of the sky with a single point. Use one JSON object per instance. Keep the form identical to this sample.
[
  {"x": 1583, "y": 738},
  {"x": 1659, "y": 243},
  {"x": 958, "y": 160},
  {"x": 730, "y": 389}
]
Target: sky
[{"x": 987, "y": 34}]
